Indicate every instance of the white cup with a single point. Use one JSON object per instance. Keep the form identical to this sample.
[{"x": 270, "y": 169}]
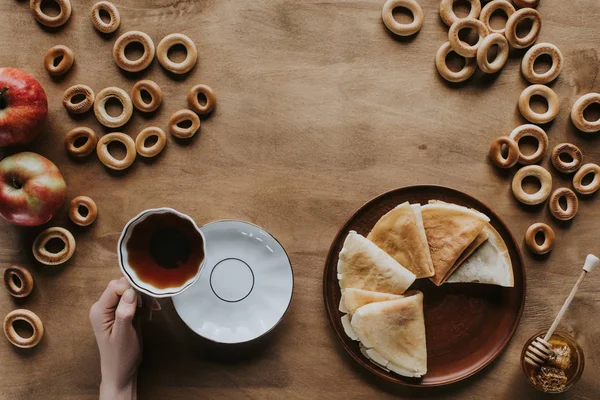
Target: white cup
[{"x": 131, "y": 274}]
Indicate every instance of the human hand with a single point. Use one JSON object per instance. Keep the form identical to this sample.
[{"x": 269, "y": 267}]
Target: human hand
[{"x": 119, "y": 339}]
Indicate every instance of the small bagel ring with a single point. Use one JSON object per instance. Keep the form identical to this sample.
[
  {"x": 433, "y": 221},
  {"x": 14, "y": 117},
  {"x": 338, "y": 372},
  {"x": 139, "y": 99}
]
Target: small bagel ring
[
  {"x": 156, "y": 148},
  {"x": 64, "y": 65},
  {"x": 449, "y": 17},
  {"x": 532, "y": 54},
  {"x": 84, "y": 105},
  {"x": 526, "y": 3},
  {"x": 440, "y": 62},
  {"x": 29, "y": 317},
  {"x": 545, "y": 185},
  {"x": 113, "y": 13},
  {"x": 18, "y": 281},
  {"x": 44, "y": 256},
  {"x": 532, "y": 244},
  {"x": 46, "y": 20},
  {"x": 501, "y": 57},
  {"x": 107, "y": 159},
  {"x": 100, "y": 107},
  {"x": 545, "y": 92},
  {"x": 463, "y": 48},
  {"x": 577, "y": 113},
  {"x": 163, "y": 53},
  {"x": 179, "y": 117},
  {"x": 514, "y": 20},
  {"x": 152, "y": 89},
  {"x": 591, "y": 187},
  {"x": 89, "y": 205},
  {"x": 496, "y": 156},
  {"x": 572, "y": 204},
  {"x": 564, "y": 166},
  {"x": 492, "y": 7},
  {"x": 387, "y": 15},
  {"x": 534, "y": 131},
  {"x": 133, "y": 37},
  {"x": 86, "y": 148},
  {"x": 194, "y": 103}
]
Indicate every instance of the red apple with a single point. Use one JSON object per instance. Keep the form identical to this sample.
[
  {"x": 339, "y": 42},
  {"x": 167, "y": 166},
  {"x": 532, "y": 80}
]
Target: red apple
[
  {"x": 31, "y": 189},
  {"x": 23, "y": 107}
]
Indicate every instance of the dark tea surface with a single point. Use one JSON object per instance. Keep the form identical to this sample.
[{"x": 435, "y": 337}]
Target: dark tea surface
[{"x": 165, "y": 250}]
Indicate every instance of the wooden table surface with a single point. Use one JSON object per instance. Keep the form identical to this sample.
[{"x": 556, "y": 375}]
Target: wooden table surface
[{"x": 319, "y": 109}]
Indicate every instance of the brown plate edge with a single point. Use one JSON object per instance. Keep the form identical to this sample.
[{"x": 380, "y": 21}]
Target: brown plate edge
[{"x": 374, "y": 369}]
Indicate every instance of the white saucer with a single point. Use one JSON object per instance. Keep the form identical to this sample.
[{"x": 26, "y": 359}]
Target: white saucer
[{"x": 244, "y": 288}]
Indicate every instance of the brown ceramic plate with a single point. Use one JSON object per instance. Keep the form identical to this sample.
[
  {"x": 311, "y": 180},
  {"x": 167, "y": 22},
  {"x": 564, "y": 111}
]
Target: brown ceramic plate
[{"x": 467, "y": 324}]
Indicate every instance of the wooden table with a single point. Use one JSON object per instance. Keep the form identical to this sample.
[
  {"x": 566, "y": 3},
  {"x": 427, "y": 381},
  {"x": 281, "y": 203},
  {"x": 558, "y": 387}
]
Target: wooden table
[{"x": 319, "y": 110}]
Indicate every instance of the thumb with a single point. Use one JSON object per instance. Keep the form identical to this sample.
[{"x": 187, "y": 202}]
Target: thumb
[{"x": 126, "y": 309}]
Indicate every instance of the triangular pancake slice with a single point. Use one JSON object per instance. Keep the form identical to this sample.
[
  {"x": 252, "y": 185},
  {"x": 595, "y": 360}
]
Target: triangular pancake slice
[
  {"x": 490, "y": 263},
  {"x": 363, "y": 265},
  {"x": 400, "y": 233},
  {"x": 393, "y": 334},
  {"x": 475, "y": 244},
  {"x": 450, "y": 229},
  {"x": 353, "y": 299}
]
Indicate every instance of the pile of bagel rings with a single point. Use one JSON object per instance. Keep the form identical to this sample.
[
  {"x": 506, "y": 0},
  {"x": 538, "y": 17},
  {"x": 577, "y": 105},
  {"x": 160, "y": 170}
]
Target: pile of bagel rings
[{"x": 146, "y": 95}]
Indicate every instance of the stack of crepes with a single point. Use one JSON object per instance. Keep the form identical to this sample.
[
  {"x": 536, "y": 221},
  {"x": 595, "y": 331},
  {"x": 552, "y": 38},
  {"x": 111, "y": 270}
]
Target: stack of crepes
[{"x": 444, "y": 242}]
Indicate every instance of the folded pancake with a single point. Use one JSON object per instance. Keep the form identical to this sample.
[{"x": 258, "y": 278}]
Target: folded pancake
[
  {"x": 450, "y": 229},
  {"x": 392, "y": 334},
  {"x": 490, "y": 263},
  {"x": 475, "y": 244},
  {"x": 353, "y": 299},
  {"x": 363, "y": 265},
  {"x": 400, "y": 233}
]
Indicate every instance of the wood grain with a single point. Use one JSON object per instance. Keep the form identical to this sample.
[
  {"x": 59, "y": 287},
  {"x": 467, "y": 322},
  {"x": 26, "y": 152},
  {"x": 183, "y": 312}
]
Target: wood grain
[{"x": 319, "y": 109}]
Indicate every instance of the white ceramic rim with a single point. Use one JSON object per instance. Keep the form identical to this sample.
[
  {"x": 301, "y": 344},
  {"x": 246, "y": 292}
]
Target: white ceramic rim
[
  {"x": 140, "y": 285},
  {"x": 291, "y": 289}
]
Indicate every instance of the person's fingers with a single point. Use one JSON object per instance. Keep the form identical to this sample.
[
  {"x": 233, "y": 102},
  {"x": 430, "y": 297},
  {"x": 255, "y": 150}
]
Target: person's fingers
[
  {"x": 156, "y": 305},
  {"x": 126, "y": 310},
  {"x": 110, "y": 298}
]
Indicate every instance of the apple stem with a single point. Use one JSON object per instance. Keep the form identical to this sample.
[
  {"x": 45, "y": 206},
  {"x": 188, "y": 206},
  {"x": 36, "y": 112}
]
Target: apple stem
[{"x": 16, "y": 184}]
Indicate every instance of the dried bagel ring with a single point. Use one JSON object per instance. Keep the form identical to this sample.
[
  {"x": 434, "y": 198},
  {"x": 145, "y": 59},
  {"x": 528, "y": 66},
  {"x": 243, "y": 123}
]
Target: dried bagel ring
[
  {"x": 492, "y": 7},
  {"x": 534, "y": 131},
  {"x": 82, "y": 106},
  {"x": 463, "y": 48},
  {"x": 18, "y": 281},
  {"x": 65, "y": 58},
  {"x": 585, "y": 170},
  {"x": 577, "y": 113},
  {"x": 545, "y": 185},
  {"x": 527, "y": 3},
  {"x": 87, "y": 147},
  {"x": 100, "y": 107},
  {"x": 30, "y": 318},
  {"x": 532, "y": 54},
  {"x": 547, "y": 243},
  {"x": 513, "y": 152},
  {"x": 54, "y": 21},
  {"x": 162, "y": 51},
  {"x": 563, "y": 214},
  {"x": 449, "y": 17},
  {"x": 153, "y": 91},
  {"x": 113, "y": 15},
  {"x": 181, "y": 116},
  {"x": 501, "y": 57},
  {"x": 208, "y": 94},
  {"x": 44, "y": 256},
  {"x": 440, "y": 62},
  {"x": 566, "y": 166},
  {"x": 75, "y": 213},
  {"x": 545, "y": 92},
  {"x": 514, "y": 20},
  {"x": 396, "y": 27},
  {"x": 133, "y": 37},
  {"x": 107, "y": 159},
  {"x": 156, "y": 148}
]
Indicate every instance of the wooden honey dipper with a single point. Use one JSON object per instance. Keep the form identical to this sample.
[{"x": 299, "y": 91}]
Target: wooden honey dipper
[{"x": 539, "y": 350}]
